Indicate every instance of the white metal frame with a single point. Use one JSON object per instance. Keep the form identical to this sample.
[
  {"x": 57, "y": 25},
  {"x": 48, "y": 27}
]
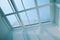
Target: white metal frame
[{"x": 14, "y": 8}]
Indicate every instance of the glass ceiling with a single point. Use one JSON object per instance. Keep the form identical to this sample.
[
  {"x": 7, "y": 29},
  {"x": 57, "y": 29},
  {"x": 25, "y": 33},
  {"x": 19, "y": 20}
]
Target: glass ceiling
[{"x": 25, "y": 11}]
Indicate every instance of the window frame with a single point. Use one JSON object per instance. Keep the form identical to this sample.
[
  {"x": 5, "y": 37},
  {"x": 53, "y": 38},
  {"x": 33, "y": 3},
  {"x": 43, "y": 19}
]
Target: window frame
[{"x": 13, "y": 6}]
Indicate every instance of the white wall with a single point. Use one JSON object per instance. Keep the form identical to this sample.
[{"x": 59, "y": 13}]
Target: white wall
[
  {"x": 59, "y": 19},
  {"x": 58, "y": 5}
]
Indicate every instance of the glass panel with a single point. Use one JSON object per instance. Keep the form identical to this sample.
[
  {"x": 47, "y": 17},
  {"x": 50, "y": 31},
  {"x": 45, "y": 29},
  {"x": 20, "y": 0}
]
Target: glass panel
[
  {"x": 18, "y": 5},
  {"x": 32, "y": 14},
  {"x": 42, "y": 2},
  {"x": 45, "y": 13},
  {"x": 5, "y": 6},
  {"x": 28, "y": 3},
  {"x": 13, "y": 21},
  {"x": 24, "y": 18}
]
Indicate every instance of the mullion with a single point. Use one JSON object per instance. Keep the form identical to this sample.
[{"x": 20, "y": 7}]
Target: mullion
[
  {"x": 19, "y": 11},
  {"x": 37, "y": 7},
  {"x": 11, "y": 6},
  {"x": 23, "y": 26},
  {"x": 25, "y": 12},
  {"x": 13, "y": 9},
  {"x": 38, "y": 14},
  {"x": 29, "y": 25},
  {"x": 33, "y": 24},
  {"x": 16, "y": 11}
]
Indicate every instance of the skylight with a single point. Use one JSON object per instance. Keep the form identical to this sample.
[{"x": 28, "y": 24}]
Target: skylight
[{"x": 26, "y": 11}]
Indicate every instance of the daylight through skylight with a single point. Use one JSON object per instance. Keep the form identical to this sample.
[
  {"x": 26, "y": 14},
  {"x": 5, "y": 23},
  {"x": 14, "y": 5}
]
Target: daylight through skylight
[{"x": 26, "y": 12}]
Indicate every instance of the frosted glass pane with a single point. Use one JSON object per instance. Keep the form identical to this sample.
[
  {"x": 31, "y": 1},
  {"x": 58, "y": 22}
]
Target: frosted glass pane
[
  {"x": 28, "y": 3},
  {"x": 32, "y": 14},
  {"x": 42, "y": 2},
  {"x": 18, "y": 5},
  {"x": 5, "y": 6},
  {"x": 45, "y": 14},
  {"x": 13, "y": 21},
  {"x": 24, "y": 18}
]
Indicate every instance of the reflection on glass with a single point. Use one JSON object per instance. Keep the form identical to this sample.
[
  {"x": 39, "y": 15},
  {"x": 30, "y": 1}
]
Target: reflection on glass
[
  {"x": 32, "y": 14},
  {"x": 24, "y": 18},
  {"x": 18, "y": 5},
  {"x": 42, "y": 2},
  {"x": 28, "y": 3},
  {"x": 13, "y": 21},
  {"x": 5, "y": 6},
  {"x": 45, "y": 14}
]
